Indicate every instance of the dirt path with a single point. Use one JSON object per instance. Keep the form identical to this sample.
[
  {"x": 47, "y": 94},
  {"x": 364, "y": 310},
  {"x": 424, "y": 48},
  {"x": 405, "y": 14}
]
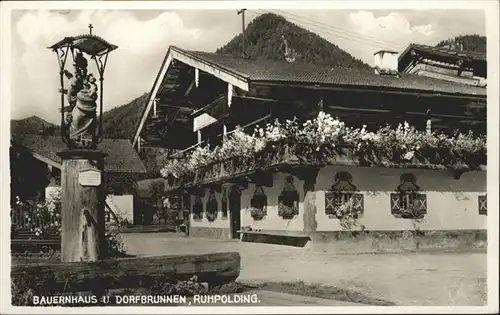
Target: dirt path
[{"x": 405, "y": 279}]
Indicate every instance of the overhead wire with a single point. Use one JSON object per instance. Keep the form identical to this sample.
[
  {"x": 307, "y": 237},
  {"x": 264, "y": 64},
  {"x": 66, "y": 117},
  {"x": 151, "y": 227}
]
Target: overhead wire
[
  {"x": 331, "y": 30},
  {"x": 339, "y": 29}
]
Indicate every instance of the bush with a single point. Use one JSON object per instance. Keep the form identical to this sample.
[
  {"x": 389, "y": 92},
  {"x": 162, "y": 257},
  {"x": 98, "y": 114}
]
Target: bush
[{"x": 43, "y": 218}]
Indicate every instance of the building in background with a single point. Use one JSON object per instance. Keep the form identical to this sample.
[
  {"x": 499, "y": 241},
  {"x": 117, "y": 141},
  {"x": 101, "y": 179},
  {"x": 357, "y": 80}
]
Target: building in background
[
  {"x": 36, "y": 169},
  {"x": 198, "y": 98},
  {"x": 444, "y": 63}
]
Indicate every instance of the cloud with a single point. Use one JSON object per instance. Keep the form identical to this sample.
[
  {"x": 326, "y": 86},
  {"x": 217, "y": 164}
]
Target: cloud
[
  {"x": 393, "y": 22},
  {"x": 144, "y": 35},
  {"x": 131, "y": 68}
]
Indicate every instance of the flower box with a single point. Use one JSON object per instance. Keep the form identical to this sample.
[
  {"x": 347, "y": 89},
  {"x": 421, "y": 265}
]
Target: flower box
[
  {"x": 257, "y": 214},
  {"x": 287, "y": 212},
  {"x": 327, "y": 141}
]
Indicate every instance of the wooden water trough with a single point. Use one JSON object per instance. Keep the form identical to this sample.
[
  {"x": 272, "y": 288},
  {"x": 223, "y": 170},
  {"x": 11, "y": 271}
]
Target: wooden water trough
[{"x": 137, "y": 272}]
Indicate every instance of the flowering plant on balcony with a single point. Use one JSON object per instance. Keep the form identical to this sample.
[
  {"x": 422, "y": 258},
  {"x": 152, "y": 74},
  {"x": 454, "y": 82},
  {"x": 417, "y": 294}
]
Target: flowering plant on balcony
[
  {"x": 315, "y": 138},
  {"x": 349, "y": 216}
]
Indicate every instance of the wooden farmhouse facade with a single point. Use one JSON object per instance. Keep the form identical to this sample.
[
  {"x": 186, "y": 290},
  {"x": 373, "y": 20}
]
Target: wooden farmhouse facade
[
  {"x": 442, "y": 63},
  {"x": 198, "y": 99}
]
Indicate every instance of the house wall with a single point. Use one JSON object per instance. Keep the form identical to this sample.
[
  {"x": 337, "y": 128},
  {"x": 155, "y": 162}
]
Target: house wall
[
  {"x": 272, "y": 221},
  {"x": 452, "y": 204},
  {"x": 386, "y": 60},
  {"x": 122, "y": 206},
  {"x": 218, "y": 228}
]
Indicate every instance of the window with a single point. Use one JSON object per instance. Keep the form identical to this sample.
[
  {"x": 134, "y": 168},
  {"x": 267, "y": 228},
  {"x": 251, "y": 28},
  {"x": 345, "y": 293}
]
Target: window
[
  {"x": 408, "y": 202},
  {"x": 288, "y": 200},
  {"x": 258, "y": 204},
  {"x": 343, "y": 193},
  {"x": 482, "y": 205},
  {"x": 186, "y": 205},
  {"x": 197, "y": 208},
  {"x": 212, "y": 206}
]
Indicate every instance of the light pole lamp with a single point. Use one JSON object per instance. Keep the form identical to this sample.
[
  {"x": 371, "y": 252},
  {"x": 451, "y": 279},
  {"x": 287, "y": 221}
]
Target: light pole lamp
[{"x": 81, "y": 124}]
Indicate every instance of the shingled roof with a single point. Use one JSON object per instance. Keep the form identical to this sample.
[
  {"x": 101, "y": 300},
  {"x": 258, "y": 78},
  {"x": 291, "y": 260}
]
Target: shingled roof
[
  {"x": 283, "y": 72},
  {"x": 244, "y": 73},
  {"x": 446, "y": 52},
  {"x": 122, "y": 158},
  {"x": 475, "y": 59}
]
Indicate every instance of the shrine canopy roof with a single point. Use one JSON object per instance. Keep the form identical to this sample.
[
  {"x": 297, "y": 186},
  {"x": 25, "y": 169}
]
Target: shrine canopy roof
[{"x": 90, "y": 44}]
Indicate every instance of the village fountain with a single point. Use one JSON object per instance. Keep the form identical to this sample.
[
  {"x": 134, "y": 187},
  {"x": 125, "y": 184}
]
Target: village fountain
[
  {"x": 82, "y": 187},
  {"x": 85, "y": 265}
]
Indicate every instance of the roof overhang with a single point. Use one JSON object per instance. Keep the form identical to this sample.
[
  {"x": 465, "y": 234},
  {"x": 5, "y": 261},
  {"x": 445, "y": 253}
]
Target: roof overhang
[
  {"x": 90, "y": 44},
  {"x": 441, "y": 53},
  {"x": 370, "y": 89},
  {"x": 196, "y": 62},
  {"x": 42, "y": 158}
]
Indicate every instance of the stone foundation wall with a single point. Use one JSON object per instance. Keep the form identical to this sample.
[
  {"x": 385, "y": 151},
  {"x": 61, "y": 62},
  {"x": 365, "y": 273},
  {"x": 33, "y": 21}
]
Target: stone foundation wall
[{"x": 209, "y": 232}]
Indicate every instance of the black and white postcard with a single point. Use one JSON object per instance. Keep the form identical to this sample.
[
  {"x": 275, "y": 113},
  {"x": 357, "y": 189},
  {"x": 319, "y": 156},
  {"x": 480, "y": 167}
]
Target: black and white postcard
[{"x": 264, "y": 157}]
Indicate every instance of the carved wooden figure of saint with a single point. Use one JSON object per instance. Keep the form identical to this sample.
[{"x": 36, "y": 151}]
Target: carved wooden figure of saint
[
  {"x": 80, "y": 64},
  {"x": 83, "y": 114}
]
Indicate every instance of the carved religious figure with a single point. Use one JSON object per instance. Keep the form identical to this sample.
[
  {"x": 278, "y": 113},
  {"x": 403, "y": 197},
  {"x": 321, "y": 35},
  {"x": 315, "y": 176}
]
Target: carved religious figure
[
  {"x": 83, "y": 113},
  {"x": 80, "y": 64},
  {"x": 82, "y": 96}
]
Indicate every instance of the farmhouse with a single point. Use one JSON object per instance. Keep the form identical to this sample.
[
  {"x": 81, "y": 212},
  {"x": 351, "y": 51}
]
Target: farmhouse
[
  {"x": 297, "y": 177},
  {"x": 444, "y": 63},
  {"x": 37, "y": 169}
]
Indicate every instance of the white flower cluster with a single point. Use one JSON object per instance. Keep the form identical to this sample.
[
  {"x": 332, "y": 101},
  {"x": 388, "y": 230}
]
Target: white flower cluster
[{"x": 325, "y": 130}]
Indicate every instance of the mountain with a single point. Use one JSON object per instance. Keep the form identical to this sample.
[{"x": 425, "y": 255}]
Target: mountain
[
  {"x": 120, "y": 122},
  {"x": 471, "y": 43},
  {"x": 33, "y": 125},
  {"x": 263, "y": 40},
  {"x": 268, "y": 36}
]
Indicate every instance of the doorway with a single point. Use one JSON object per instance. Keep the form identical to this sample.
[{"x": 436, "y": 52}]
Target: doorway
[{"x": 235, "y": 212}]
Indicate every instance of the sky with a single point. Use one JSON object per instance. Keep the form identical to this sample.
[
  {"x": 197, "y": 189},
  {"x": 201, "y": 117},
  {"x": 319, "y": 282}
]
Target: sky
[{"x": 143, "y": 37}]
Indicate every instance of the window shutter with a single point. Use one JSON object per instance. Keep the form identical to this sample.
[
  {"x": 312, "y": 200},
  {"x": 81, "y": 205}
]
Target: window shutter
[
  {"x": 395, "y": 203},
  {"x": 482, "y": 205},
  {"x": 329, "y": 202},
  {"x": 358, "y": 202}
]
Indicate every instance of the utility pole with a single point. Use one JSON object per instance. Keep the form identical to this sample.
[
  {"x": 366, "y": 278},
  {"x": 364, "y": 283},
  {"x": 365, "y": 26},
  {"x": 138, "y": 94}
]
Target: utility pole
[{"x": 242, "y": 12}]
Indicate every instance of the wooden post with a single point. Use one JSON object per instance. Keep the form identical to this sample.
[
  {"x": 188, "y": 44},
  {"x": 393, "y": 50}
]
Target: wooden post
[
  {"x": 154, "y": 107},
  {"x": 242, "y": 12},
  {"x": 428, "y": 126},
  {"x": 196, "y": 77},
  {"x": 230, "y": 90},
  {"x": 82, "y": 205}
]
